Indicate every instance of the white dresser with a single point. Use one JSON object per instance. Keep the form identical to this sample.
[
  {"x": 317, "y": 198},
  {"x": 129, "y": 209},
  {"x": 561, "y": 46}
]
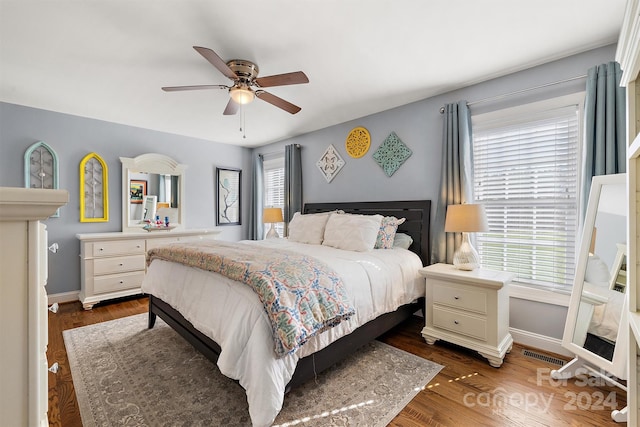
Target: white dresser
[
  {"x": 468, "y": 308},
  {"x": 113, "y": 264},
  {"x": 23, "y": 303}
]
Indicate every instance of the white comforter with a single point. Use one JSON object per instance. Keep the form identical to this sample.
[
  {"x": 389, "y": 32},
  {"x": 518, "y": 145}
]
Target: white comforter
[{"x": 231, "y": 314}]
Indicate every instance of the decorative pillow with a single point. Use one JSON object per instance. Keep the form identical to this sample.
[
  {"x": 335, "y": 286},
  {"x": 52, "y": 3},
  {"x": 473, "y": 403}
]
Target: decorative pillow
[
  {"x": 402, "y": 240},
  {"x": 388, "y": 228},
  {"x": 308, "y": 228},
  {"x": 352, "y": 232}
]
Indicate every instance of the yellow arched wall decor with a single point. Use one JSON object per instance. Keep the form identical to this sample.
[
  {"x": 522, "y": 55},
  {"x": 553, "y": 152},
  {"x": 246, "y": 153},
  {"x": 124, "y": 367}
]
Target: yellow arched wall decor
[
  {"x": 358, "y": 142},
  {"x": 94, "y": 191}
]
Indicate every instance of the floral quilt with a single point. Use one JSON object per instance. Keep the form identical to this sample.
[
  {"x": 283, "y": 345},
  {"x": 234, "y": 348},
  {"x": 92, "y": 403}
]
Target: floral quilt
[{"x": 301, "y": 295}]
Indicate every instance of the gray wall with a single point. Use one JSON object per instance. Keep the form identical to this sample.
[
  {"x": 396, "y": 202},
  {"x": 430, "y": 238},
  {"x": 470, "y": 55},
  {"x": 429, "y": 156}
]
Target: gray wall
[
  {"x": 419, "y": 125},
  {"x": 73, "y": 137}
]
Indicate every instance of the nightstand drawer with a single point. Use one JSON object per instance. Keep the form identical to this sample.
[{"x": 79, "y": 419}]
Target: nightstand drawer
[
  {"x": 118, "y": 247},
  {"x": 122, "y": 264},
  {"x": 460, "y": 323},
  {"x": 455, "y": 296},
  {"x": 118, "y": 282}
]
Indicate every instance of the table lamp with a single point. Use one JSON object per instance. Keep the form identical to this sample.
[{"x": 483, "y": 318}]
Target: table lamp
[
  {"x": 466, "y": 218},
  {"x": 271, "y": 216}
]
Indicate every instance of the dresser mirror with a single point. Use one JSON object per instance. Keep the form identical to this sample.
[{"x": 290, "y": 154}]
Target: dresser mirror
[
  {"x": 152, "y": 179},
  {"x": 597, "y": 308}
]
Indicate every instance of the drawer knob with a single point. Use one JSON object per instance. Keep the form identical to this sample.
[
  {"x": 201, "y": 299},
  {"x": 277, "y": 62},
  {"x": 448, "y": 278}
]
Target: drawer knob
[
  {"x": 456, "y": 297},
  {"x": 54, "y": 307},
  {"x": 121, "y": 264},
  {"x": 101, "y": 249},
  {"x": 456, "y": 322},
  {"x": 54, "y": 368},
  {"x": 121, "y": 282}
]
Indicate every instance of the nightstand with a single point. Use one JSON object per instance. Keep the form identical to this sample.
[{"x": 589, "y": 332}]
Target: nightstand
[{"x": 468, "y": 308}]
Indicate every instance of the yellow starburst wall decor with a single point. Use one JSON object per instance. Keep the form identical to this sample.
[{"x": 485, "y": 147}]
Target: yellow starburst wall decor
[{"x": 358, "y": 142}]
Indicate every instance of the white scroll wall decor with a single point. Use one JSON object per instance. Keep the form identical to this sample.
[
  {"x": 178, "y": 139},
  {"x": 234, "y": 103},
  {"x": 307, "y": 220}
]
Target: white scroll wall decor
[{"x": 330, "y": 163}]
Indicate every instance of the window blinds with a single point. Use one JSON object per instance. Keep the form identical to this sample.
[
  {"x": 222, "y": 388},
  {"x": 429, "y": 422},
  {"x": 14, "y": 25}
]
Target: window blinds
[
  {"x": 274, "y": 186},
  {"x": 525, "y": 174}
]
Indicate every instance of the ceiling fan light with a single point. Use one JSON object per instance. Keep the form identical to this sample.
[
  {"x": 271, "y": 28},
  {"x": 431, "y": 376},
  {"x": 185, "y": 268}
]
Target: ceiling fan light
[{"x": 241, "y": 96}]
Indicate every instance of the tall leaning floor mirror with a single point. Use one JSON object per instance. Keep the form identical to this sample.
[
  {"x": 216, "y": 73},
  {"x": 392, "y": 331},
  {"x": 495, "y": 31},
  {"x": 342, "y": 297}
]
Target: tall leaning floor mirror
[{"x": 594, "y": 330}]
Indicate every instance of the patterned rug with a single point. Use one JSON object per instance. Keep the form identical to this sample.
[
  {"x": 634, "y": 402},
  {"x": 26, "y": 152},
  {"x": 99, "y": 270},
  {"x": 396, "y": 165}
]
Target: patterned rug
[{"x": 125, "y": 374}]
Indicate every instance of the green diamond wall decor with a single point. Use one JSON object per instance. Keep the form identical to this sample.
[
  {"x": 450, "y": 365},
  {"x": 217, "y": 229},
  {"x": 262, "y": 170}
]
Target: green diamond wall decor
[{"x": 391, "y": 154}]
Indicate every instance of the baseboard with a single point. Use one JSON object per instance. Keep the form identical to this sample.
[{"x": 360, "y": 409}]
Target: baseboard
[
  {"x": 63, "y": 297},
  {"x": 541, "y": 342}
]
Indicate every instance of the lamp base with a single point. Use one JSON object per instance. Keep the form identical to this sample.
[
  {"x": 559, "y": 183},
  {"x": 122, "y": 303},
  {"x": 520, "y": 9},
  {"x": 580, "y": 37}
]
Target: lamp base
[
  {"x": 466, "y": 257},
  {"x": 273, "y": 234}
]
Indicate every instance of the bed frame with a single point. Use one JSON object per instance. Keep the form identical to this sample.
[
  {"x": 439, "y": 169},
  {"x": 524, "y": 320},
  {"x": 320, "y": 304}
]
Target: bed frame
[{"x": 417, "y": 225}]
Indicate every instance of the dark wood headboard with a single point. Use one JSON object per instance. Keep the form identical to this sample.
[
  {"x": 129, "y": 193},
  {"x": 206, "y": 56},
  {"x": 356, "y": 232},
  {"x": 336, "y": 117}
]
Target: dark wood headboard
[{"x": 417, "y": 213}]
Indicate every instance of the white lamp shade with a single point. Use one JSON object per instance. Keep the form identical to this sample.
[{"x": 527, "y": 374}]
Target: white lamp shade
[
  {"x": 466, "y": 218},
  {"x": 241, "y": 96},
  {"x": 271, "y": 215}
]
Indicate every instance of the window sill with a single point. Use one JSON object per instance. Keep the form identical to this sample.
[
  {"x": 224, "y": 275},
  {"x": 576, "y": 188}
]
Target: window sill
[{"x": 547, "y": 296}]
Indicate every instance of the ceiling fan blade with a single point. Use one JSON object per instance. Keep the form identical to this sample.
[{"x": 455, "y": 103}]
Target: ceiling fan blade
[
  {"x": 197, "y": 87},
  {"x": 216, "y": 61},
  {"x": 295, "y": 78},
  {"x": 278, "y": 102},
  {"x": 231, "y": 108}
]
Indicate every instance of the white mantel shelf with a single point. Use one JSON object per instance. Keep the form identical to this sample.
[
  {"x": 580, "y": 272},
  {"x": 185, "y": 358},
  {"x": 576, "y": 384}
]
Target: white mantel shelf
[{"x": 30, "y": 204}]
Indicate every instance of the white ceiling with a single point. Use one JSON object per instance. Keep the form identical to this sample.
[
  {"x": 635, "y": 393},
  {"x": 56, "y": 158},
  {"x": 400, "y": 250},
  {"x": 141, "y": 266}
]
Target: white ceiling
[{"x": 107, "y": 59}]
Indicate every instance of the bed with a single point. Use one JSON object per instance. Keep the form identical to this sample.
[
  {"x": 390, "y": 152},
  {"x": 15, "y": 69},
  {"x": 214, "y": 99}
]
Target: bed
[{"x": 174, "y": 304}]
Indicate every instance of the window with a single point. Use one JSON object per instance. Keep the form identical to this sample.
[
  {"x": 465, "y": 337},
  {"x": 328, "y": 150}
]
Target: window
[
  {"x": 274, "y": 187},
  {"x": 526, "y": 175}
]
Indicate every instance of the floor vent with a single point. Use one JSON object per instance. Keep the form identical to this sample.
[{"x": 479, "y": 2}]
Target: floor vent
[{"x": 543, "y": 357}]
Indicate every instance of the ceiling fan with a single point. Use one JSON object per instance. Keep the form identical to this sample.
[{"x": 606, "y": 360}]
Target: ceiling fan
[{"x": 244, "y": 75}]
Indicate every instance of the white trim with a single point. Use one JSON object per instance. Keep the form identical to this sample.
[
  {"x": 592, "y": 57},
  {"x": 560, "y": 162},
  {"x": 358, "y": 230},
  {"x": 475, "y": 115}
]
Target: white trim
[
  {"x": 542, "y": 342},
  {"x": 63, "y": 297},
  {"x": 546, "y": 296}
]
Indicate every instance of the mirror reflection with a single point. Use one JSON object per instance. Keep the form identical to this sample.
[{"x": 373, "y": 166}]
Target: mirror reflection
[
  {"x": 163, "y": 187},
  {"x": 149, "y": 209},
  {"x": 152, "y": 185},
  {"x": 603, "y": 291}
]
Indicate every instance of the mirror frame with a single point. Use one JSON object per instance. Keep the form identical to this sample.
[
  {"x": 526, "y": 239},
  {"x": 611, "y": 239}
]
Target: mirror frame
[
  {"x": 151, "y": 163},
  {"x": 618, "y": 365}
]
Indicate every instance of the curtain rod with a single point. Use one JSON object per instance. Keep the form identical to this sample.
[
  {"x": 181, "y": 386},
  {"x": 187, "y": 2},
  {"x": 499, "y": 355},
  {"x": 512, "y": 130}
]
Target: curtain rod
[
  {"x": 271, "y": 153},
  {"x": 506, "y": 95}
]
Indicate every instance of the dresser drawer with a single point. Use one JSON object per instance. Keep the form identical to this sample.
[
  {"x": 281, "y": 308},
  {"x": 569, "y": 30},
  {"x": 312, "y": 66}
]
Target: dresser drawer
[
  {"x": 118, "y": 282},
  {"x": 102, "y": 266},
  {"x": 460, "y": 323},
  {"x": 463, "y": 298},
  {"x": 118, "y": 247}
]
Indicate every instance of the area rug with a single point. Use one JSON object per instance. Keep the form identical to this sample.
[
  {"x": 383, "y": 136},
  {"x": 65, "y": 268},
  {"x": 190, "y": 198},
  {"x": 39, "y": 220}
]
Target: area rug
[{"x": 126, "y": 374}]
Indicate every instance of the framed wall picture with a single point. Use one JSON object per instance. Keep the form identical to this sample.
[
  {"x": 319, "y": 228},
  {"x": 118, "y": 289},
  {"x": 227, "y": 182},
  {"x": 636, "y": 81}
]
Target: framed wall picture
[
  {"x": 137, "y": 189},
  {"x": 94, "y": 191},
  {"x": 228, "y": 184}
]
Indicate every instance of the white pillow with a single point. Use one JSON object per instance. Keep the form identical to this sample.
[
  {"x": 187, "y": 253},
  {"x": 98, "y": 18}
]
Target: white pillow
[
  {"x": 308, "y": 228},
  {"x": 402, "y": 240},
  {"x": 352, "y": 232}
]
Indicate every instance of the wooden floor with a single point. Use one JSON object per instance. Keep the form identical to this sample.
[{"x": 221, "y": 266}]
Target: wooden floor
[{"x": 467, "y": 392}]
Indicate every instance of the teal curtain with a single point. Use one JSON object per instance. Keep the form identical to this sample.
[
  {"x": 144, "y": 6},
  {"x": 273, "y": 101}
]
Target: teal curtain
[
  {"x": 456, "y": 178},
  {"x": 604, "y": 126},
  {"x": 292, "y": 183},
  {"x": 256, "y": 227}
]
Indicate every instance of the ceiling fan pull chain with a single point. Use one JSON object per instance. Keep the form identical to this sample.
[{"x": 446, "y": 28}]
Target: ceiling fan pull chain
[{"x": 242, "y": 123}]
